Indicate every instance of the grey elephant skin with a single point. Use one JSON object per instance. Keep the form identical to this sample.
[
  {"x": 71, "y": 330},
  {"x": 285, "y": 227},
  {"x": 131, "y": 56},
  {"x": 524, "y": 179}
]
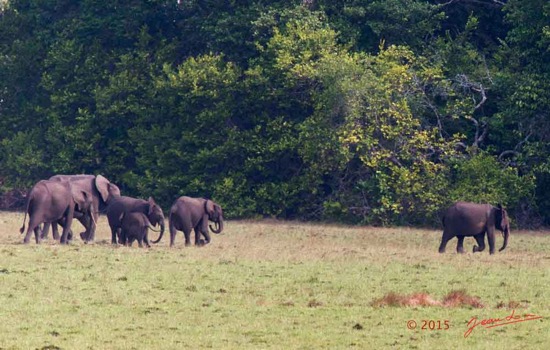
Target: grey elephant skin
[
  {"x": 124, "y": 205},
  {"x": 188, "y": 214},
  {"x": 102, "y": 191},
  {"x": 134, "y": 226},
  {"x": 52, "y": 202},
  {"x": 471, "y": 219}
]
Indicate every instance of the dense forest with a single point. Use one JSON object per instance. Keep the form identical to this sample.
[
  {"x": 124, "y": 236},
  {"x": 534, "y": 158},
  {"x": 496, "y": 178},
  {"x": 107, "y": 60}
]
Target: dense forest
[{"x": 377, "y": 112}]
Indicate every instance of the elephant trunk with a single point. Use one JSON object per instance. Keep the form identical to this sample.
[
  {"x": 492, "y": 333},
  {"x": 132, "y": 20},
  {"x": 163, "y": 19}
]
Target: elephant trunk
[
  {"x": 161, "y": 232},
  {"x": 219, "y": 226},
  {"x": 506, "y": 234},
  {"x": 161, "y": 223}
]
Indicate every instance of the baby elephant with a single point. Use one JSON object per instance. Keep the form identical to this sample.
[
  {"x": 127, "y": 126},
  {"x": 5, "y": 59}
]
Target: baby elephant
[{"x": 134, "y": 226}]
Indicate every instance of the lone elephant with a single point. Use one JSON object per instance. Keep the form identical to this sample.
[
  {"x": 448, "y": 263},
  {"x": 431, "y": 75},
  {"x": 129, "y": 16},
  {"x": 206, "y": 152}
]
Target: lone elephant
[
  {"x": 122, "y": 205},
  {"x": 53, "y": 202},
  {"x": 134, "y": 226},
  {"x": 188, "y": 214},
  {"x": 102, "y": 191},
  {"x": 470, "y": 219}
]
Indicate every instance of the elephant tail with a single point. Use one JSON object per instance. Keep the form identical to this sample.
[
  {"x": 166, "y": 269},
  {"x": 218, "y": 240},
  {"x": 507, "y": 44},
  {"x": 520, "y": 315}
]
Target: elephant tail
[{"x": 22, "y": 229}]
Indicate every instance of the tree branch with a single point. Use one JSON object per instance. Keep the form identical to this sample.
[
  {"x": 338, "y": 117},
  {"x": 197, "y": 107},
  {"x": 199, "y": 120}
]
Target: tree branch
[{"x": 515, "y": 152}]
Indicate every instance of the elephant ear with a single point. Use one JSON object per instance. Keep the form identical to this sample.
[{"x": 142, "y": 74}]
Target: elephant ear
[
  {"x": 82, "y": 199},
  {"x": 504, "y": 217},
  {"x": 209, "y": 207},
  {"x": 102, "y": 186},
  {"x": 152, "y": 204},
  {"x": 501, "y": 219}
]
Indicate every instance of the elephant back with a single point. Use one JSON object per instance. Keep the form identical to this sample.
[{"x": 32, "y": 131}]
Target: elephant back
[{"x": 101, "y": 189}]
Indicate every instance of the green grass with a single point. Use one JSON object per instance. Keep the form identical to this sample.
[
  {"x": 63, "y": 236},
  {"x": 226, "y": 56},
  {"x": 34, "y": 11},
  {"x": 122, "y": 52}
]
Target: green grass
[{"x": 267, "y": 285}]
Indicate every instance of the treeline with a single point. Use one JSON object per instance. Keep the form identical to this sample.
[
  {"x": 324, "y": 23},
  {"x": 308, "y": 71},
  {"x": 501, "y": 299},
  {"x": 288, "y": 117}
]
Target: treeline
[{"x": 364, "y": 111}]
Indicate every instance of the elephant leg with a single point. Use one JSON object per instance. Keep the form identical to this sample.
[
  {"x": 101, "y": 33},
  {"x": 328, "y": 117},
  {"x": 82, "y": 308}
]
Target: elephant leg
[
  {"x": 37, "y": 234},
  {"x": 33, "y": 224},
  {"x": 187, "y": 236},
  {"x": 198, "y": 240},
  {"x": 444, "y": 239},
  {"x": 84, "y": 220},
  {"x": 27, "y": 238},
  {"x": 122, "y": 236},
  {"x": 45, "y": 231},
  {"x": 146, "y": 238},
  {"x": 61, "y": 222},
  {"x": 173, "y": 233},
  {"x": 91, "y": 227},
  {"x": 206, "y": 235},
  {"x": 460, "y": 245},
  {"x": 204, "y": 231},
  {"x": 55, "y": 231},
  {"x": 491, "y": 240},
  {"x": 114, "y": 234},
  {"x": 480, "y": 239},
  {"x": 69, "y": 213},
  {"x": 89, "y": 221}
]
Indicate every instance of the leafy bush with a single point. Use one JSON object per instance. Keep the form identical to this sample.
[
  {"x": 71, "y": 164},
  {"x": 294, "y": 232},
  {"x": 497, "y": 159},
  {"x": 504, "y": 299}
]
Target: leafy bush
[{"x": 483, "y": 179}]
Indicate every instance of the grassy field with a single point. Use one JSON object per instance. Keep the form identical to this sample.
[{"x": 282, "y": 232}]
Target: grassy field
[{"x": 280, "y": 285}]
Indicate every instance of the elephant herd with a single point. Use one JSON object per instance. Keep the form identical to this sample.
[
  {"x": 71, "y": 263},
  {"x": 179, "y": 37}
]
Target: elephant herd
[{"x": 61, "y": 198}]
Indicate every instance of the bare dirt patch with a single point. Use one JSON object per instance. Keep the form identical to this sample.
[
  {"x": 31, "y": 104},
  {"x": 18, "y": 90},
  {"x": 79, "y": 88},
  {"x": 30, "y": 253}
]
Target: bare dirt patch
[{"x": 457, "y": 298}]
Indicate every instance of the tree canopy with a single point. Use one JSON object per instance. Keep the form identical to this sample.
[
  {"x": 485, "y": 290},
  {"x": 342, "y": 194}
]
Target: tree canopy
[{"x": 357, "y": 111}]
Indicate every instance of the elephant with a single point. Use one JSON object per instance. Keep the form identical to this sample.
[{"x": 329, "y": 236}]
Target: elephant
[
  {"x": 53, "y": 202},
  {"x": 102, "y": 191},
  {"x": 134, "y": 226},
  {"x": 194, "y": 213},
  {"x": 471, "y": 219},
  {"x": 123, "y": 205}
]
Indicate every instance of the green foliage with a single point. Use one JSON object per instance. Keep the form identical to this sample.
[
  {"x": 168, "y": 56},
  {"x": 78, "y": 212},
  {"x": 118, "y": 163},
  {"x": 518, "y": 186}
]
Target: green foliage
[
  {"x": 356, "y": 111},
  {"x": 367, "y": 102},
  {"x": 482, "y": 179},
  {"x": 365, "y": 24},
  {"x": 22, "y": 159}
]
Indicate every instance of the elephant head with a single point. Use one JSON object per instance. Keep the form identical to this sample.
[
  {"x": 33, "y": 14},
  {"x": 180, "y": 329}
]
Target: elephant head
[
  {"x": 155, "y": 215},
  {"x": 106, "y": 189},
  {"x": 83, "y": 201},
  {"x": 502, "y": 224},
  {"x": 215, "y": 214}
]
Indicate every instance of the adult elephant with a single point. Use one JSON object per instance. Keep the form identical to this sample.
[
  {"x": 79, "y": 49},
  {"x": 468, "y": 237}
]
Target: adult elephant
[
  {"x": 122, "y": 205},
  {"x": 188, "y": 214},
  {"x": 102, "y": 191},
  {"x": 470, "y": 219},
  {"x": 53, "y": 201}
]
